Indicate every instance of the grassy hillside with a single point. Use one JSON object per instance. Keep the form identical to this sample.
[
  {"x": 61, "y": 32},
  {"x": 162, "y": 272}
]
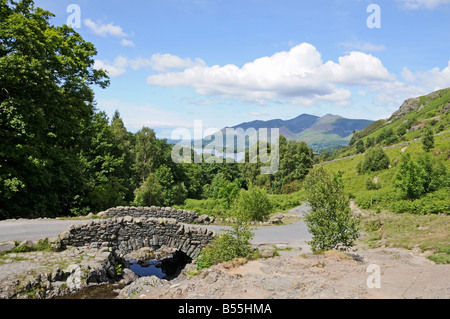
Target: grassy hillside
[{"x": 432, "y": 110}]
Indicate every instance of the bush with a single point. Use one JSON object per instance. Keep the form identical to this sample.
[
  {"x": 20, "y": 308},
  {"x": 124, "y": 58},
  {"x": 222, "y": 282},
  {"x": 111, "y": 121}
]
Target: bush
[
  {"x": 232, "y": 244},
  {"x": 253, "y": 204},
  {"x": 421, "y": 177},
  {"x": 374, "y": 160},
  {"x": 330, "y": 221},
  {"x": 428, "y": 140},
  {"x": 371, "y": 185}
]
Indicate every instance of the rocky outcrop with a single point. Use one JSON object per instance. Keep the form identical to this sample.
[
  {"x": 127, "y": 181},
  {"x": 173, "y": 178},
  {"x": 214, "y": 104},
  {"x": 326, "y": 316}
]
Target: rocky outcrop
[{"x": 46, "y": 275}]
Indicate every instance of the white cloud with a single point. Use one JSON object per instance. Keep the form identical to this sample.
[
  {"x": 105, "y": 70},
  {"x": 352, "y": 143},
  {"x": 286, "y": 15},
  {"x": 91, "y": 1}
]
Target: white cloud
[
  {"x": 127, "y": 43},
  {"x": 434, "y": 79},
  {"x": 113, "y": 70},
  {"x": 165, "y": 62},
  {"x": 419, "y": 4},
  {"x": 105, "y": 29},
  {"x": 298, "y": 76},
  {"x": 158, "y": 62}
]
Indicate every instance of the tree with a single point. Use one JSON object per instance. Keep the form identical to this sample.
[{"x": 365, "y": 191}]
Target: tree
[
  {"x": 330, "y": 220},
  {"x": 105, "y": 168},
  {"x": 253, "y": 204},
  {"x": 418, "y": 178},
  {"x": 428, "y": 140},
  {"x": 150, "y": 193},
  {"x": 374, "y": 160},
  {"x": 46, "y": 105},
  {"x": 360, "y": 147},
  {"x": 145, "y": 152}
]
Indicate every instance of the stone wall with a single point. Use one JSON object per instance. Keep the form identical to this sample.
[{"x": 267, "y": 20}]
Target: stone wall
[
  {"x": 126, "y": 234},
  {"x": 181, "y": 215}
]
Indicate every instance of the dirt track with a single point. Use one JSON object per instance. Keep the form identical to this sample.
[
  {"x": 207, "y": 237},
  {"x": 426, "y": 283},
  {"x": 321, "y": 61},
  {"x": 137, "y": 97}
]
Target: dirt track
[{"x": 334, "y": 275}]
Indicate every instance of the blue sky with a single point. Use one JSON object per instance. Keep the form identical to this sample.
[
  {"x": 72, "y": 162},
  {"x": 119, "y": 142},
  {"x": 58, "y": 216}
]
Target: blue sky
[{"x": 172, "y": 62}]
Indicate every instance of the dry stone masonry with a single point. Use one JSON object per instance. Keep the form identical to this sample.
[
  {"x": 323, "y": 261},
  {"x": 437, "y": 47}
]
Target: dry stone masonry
[
  {"x": 127, "y": 234},
  {"x": 181, "y": 215}
]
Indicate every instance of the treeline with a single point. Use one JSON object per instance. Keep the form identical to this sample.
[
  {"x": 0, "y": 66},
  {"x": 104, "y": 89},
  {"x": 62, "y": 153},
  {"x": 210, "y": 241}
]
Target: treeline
[{"x": 60, "y": 156}]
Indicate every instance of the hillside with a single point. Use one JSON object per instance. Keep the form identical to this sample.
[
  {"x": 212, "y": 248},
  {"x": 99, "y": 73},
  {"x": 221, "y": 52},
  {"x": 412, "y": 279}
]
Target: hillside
[
  {"x": 392, "y": 218},
  {"x": 406, "y": 124}
]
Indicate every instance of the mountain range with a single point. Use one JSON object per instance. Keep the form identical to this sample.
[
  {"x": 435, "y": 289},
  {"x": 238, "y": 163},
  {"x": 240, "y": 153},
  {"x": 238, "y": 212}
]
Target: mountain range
[{"x": 318, "y": 132}]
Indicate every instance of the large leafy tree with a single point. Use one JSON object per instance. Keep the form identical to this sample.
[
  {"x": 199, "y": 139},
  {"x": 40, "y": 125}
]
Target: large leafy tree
[{"x": 46, "y": 104}]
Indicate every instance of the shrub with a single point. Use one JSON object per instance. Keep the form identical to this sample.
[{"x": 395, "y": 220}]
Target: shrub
[
  {"x": 253, "y": 204},
  {"x": 374, "y": 160},
  {"x": 421, "y": 177},
  {"x": 234, "y": 243},
  {"x": 371, "y": 185},
  {"x": 330, "y": 220},
  {"x": 428, "y": 140}
]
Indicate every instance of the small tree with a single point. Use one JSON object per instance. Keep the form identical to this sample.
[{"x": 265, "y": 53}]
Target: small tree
[
  {"x": 330, "y": 220},
  {"x": 253, "y": 204},
  {"x": 374, "y": 160},
  {"x": 150, "y": 192},
  {"x": 428, "y": 140}
]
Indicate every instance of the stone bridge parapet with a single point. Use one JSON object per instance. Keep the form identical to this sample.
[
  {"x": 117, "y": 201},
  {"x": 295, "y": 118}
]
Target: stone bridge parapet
[
  {"x": 181, "y": 215},
  {"x": 127, "y": 234}
]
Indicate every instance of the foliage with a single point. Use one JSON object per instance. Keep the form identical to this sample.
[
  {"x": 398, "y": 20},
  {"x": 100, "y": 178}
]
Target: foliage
[
  {"x": 46, "y": 103},
  {"x": 330, "y": 221},
  {"x": 421, "y": 177},
  {"x": 428, "y": 140},
  {"x": 374, "y": 160},
  {"x": 253, "y": 204},
  {"x": 233, "y": 243},
  {"x": 150, "y": 193}
]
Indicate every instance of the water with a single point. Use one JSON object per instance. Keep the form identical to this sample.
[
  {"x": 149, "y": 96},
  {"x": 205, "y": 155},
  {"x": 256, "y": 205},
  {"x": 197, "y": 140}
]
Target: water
[{"x": 147, "y": 269}]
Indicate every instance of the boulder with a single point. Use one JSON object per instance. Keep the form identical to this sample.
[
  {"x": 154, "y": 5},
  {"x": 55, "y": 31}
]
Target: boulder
[{"x": 7, "y": 246}]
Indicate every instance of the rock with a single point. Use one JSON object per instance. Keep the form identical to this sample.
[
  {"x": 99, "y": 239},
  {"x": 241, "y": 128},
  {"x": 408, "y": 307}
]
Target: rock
[
  {"x": 7, "y": 246},
  {"x": 143, "y": 254},
  {"x": 269, "y": 253},
  {"x": 128, "y": 277},
  {"x": 26, "y": 243},
  {"x": 55, "y": 243},
  {"x": 102, "y": 214},
  {"x": 140, "y": 285}
]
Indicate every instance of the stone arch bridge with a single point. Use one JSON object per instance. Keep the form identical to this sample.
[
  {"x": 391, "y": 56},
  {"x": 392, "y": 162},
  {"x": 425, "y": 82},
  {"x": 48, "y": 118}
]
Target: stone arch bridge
[{"x": 125, "y": 234}]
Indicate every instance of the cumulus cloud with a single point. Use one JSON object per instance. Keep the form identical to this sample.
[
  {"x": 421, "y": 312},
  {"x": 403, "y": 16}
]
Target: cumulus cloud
[
  {"x": 158, "y": 62},
  {"x": 298, "y": 75},
  {"x": 419, "y": 4},
  {"x": 165, "y": 62},
  {"x": 434, "y": 79},
  {"x": 105, "y": 29}
]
